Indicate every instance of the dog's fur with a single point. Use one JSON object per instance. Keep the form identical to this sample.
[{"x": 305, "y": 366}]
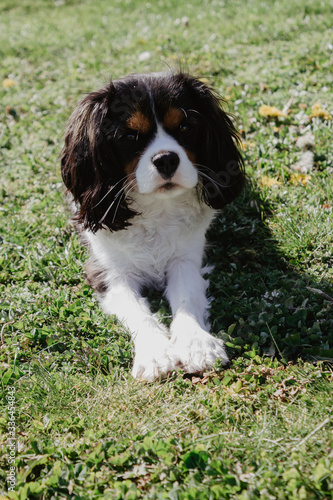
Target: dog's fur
[{"x": 148, "y": 160}]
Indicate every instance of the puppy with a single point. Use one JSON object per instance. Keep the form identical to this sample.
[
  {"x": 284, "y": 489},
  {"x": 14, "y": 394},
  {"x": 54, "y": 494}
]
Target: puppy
[{"x": 148, "y": 161}]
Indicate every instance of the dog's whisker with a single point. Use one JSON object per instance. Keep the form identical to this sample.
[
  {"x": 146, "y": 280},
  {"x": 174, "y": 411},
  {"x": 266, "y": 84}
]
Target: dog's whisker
[
  {"x": 211, "y": 179},
  {"x": 215, "y": 183},
  {"x": 125, "y": 194},
  {"x": 121, "y": 194},
  {"x": 110, "y": 191},
  {"x": 194, "y": 111}
]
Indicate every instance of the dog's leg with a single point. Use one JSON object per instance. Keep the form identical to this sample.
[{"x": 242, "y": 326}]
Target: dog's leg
[
  {"x": 186, "y": 292},
  {"x": 155, "y": 356}
]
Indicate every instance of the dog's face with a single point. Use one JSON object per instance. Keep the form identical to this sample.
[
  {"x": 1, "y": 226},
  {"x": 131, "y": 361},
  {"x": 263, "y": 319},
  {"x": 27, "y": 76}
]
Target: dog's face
[
  {"x": 154, "y": 135},
  {"x": 158, "y": 135}
]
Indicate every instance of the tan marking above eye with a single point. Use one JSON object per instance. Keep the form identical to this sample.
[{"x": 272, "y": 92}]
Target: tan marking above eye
[
  {"x": 139, "y": 122},
  {"x": 173, "y": 118}
]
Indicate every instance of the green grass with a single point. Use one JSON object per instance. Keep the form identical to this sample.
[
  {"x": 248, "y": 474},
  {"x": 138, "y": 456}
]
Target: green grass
[{"x": 261, "y": 429}]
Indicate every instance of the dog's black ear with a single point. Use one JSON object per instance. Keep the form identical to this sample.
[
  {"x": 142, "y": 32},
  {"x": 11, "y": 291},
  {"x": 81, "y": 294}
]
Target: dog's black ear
[
  {"x": 219, "y": 160},
  {"x": 89, "y": 166}
]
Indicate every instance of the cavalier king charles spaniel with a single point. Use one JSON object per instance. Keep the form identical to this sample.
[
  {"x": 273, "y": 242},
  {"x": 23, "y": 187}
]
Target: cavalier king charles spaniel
[{"x": 148, "y": 161}]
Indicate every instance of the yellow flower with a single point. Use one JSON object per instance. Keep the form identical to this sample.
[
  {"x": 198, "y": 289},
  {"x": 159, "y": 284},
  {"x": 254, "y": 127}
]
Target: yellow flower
[
  {"x": 8, "y": 82},
  {"x": 269, "y": 181},
  {"x": 318, "y": 111},
  {"x": 299, "y": 179},
  {"x": 270, "y": 111}
]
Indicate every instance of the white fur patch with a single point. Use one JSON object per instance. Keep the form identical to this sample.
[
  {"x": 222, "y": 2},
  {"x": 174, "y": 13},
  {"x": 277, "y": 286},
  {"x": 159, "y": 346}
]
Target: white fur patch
[
  {"x": 164, "y": 247},
  {"x": 147, "y": 177}
]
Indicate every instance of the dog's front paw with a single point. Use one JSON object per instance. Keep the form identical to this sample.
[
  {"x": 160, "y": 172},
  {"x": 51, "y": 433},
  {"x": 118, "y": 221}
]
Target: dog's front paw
[
  {"x": 155, "y": 358},
  {"x": 198, "y": 350}
]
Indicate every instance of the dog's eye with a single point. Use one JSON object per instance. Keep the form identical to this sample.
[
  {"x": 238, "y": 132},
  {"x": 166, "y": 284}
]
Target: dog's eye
[
  {"x": 126, "y": 135},
  {"x": 131, "y": 136},
  {"x": 190, "y": 125},
  {"x": 184, "y": 127}
]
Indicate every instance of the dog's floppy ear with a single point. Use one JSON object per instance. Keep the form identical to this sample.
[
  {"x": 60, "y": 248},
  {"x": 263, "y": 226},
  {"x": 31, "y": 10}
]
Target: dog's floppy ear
[
  {"x": 89, "y": 167},
  {"x": 219, "y": 160}
]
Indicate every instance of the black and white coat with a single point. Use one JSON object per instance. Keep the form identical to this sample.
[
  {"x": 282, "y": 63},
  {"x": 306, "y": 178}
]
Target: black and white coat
[{"x": 148, "y": 161}]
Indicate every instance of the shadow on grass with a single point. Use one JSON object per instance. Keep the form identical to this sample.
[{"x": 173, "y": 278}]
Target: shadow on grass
[{"x": 265, "y": 305}]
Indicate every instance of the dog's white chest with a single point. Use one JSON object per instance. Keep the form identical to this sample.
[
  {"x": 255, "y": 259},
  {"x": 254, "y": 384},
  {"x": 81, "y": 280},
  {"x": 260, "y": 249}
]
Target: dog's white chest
[{"x": 156, "y": 237}]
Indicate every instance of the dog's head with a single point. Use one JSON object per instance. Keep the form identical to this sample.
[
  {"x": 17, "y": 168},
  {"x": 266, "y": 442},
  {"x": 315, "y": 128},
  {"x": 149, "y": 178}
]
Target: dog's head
[{"x": 158, "y": 135}]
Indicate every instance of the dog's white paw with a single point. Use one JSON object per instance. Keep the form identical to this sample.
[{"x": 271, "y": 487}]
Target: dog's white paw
[
  {"x": 154, "y": 358},
  {"x": 198, "y": 350}
]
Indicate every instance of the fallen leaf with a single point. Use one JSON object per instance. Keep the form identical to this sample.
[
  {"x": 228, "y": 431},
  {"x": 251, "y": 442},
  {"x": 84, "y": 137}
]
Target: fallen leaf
[
  {"x": 269, "y": 181},
  {"x": 299, "y": 179},
  {"x": 318, "y": 111},
  {"x": 302, "y": 105},
  {"x": 8, "y": 82},
  {"x": 270, "y": 111}
]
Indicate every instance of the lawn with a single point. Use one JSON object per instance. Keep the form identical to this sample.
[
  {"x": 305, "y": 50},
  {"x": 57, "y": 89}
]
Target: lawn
[{"x": 74, "y": 424}]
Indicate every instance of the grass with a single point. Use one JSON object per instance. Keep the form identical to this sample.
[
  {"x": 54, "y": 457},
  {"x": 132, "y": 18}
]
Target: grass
[{"x": 261, "y": 429}]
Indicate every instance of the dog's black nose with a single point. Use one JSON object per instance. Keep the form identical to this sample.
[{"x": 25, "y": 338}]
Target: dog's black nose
[{"x": 166, "y": 163}]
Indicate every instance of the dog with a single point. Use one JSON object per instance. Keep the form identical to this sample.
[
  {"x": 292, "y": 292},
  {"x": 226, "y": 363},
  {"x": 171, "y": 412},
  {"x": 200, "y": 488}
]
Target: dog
[{"x": 148, "y": 162}]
